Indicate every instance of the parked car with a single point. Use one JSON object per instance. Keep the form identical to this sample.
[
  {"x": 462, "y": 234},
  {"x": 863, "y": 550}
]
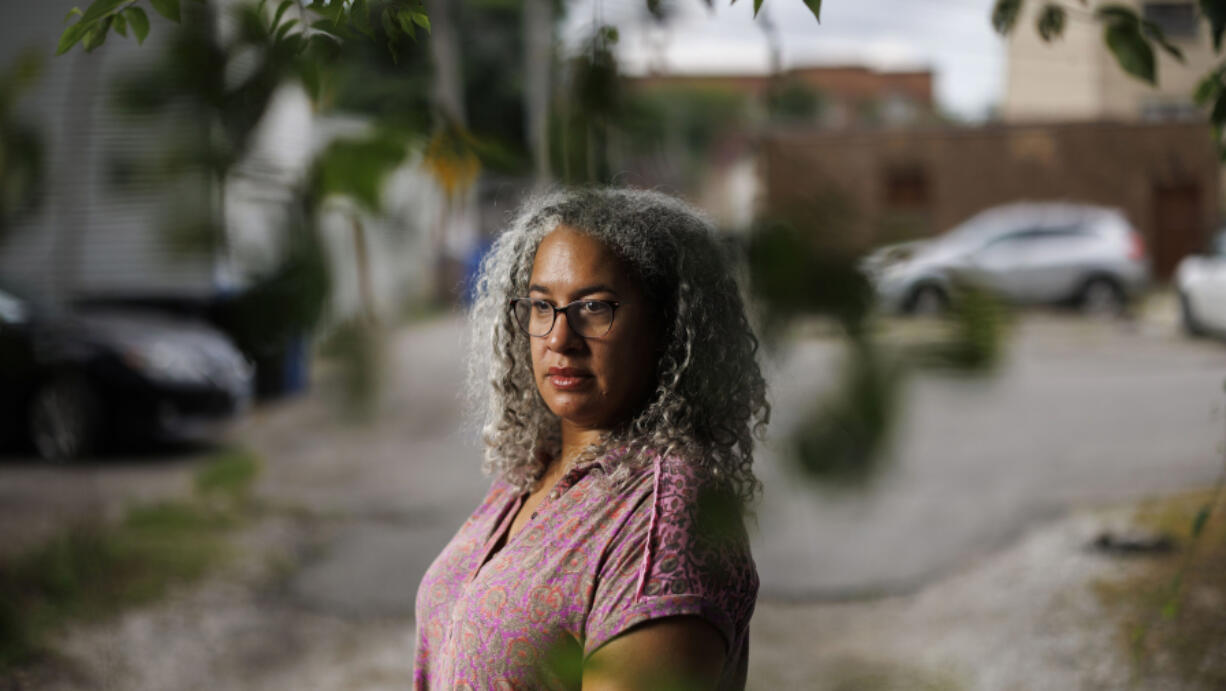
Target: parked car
[
  {"x": 1200, "y": 282},
  {"x": 1027, "y": 253},
  {"x": 72, "y": 382}
]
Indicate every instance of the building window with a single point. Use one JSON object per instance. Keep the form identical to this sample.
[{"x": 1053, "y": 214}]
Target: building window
[
  {"x": 906, "y": 187},
  {"x": 1176, "y": 19},
  {"x": 1162, "y": 111}
]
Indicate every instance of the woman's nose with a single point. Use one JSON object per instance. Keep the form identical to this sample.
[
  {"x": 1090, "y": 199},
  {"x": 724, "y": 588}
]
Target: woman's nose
[{"x": 562, "y": 337}]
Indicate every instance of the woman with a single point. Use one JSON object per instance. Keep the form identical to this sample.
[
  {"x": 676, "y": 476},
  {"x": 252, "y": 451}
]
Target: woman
[{"x": 623, "y": 394}]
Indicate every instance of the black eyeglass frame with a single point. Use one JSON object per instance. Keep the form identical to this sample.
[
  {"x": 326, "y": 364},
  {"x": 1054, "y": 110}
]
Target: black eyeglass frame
[{"x": 613, "y": 305}]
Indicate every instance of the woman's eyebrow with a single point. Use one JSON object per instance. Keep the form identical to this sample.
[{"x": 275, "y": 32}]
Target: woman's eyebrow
[{"x": 588, "y": 290}]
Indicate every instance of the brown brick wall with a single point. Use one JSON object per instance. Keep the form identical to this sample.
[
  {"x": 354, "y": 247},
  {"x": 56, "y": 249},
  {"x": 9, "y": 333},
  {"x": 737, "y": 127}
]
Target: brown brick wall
[{"x": 911, "y": 183}]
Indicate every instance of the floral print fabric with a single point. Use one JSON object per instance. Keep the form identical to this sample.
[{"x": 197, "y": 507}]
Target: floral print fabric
[{"x": 588, "y": 566}]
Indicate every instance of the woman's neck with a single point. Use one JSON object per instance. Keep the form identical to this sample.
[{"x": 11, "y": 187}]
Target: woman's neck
[{"x": 574, "y": 441}]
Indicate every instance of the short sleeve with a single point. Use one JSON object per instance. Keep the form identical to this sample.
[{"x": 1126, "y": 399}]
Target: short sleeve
[{"x": 682, "y": 550}]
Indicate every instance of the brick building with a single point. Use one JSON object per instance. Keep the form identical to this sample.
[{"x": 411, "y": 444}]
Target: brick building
[
  {"x": 850, "y": 94},
  {"x": 899, "y": 185}
]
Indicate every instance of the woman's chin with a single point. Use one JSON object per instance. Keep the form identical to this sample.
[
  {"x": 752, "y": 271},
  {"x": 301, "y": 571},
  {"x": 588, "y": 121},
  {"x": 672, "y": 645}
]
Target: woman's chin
[{"x": 578, "y": 411}]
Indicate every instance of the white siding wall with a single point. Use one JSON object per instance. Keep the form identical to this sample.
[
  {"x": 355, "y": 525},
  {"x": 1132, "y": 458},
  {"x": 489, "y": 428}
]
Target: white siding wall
[{"x": 88, "y": 237}]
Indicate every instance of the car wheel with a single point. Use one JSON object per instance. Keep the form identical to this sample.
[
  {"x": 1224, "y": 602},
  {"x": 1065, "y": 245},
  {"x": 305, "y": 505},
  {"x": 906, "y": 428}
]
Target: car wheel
[
  {"x": 927, "y": 300},
  {"x": 1101, "y": 297},
  {"x": 1191, "y": 326},
  {"x": 64, "y": 419}
]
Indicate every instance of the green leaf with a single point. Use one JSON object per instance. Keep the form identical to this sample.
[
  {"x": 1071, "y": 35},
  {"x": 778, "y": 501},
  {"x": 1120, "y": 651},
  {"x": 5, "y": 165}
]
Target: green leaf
[
  {"x": 167, "y": 8},
  {"x": 276, "y": 17},
  {"x": 359, "y": 18},
  {"x": 1215, "y": 12},
  {"x": 69, "y": 38},
  {"x": 815, "y": 6},
  {"x": 390, "y": 26},
  {"x": 284, "y": 29},
  {"x": 308, "y": 71},
  {"x": 422, "y": 20},
  {"x": 1209, "y": 87},
  {"x": 121, "y": 26},
  {"x": 1005, "y": 14},
  {"x": 100, "y": 9},
  {"x": 405, "y": 18},
  {"x": 1131, "y": 51},
  {"x": 139, "y": 21},
  {"x": 1202, "y": 517},
  {"x": 1052, "y": 19},
  {"x": 96, "y": 35},
  {"x": 74, "y": 12},
  {"x": 1116, "y": 13},
  {"x": 1155, "y": 34},
  {"x": 757, "y": 5}
]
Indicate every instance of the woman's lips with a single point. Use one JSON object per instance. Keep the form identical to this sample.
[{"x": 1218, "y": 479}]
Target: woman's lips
[{"x": 566, "y": 378}]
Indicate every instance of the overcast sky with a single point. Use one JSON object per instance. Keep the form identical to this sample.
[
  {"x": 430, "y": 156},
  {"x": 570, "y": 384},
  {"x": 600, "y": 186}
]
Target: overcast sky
[{"x": 952, "y": 37}]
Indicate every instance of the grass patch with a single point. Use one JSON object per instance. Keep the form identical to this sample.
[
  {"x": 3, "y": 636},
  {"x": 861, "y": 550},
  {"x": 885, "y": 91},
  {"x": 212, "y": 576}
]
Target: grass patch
[
  {"x": 92, "y": 571},
  {"x": 1171, "y": 608},
  {"x": 230, "y": 475}
]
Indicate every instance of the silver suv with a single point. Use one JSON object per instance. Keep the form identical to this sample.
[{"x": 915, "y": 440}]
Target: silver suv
[{"x": 1027, "y": 252}]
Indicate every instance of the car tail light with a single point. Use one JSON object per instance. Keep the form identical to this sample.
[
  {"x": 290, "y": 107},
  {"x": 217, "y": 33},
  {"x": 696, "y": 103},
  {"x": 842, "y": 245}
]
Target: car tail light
[{"x": 1136, "y": 246}]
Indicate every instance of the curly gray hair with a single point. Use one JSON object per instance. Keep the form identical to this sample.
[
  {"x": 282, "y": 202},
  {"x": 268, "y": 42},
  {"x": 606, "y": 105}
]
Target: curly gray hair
[{"x": 709, "y": 400}]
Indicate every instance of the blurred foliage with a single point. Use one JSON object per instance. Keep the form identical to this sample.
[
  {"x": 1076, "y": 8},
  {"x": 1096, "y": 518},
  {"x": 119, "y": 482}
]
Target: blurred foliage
[
  {"x": 794, "y": 102},
  {"x": 682, "y": 125},
  {"x": 93, "y": 571},
  {"x": 801, "y": 271},
  {"x": 587, "y": 113},
  {"x": 21, "y": 145},
  {"x": 357, "y": 349},
  {"x": 312, "y": 25},
  {"x": 798, "y": 268},
  {"x": 197, "y": 73},
  {"x": 356, "y": 167},
  {"x": 451, "y": 157},
  {"x": 287, "y": 301},
  {"x": 975, "y": 335},
  {"x": 844, "y": 441}
]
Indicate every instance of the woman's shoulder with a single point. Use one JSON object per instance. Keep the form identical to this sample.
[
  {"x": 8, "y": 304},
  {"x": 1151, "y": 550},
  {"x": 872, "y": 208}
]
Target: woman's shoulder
[
  {"x": 682, "y": 550},
  {"x": 686, "y": 514},
  {"x": 680, "y": 487}
]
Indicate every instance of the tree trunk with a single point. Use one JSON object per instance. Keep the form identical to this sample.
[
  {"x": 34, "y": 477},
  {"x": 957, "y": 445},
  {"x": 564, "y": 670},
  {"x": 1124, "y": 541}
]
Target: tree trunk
[
  {"x": 456, "y": 223},
  {"x": 538, "y": 59},
  {"x": 444, "y": 51}
]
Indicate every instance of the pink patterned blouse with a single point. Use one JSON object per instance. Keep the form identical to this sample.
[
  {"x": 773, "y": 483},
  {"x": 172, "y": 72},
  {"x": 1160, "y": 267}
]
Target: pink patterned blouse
[{"x": 585, "y": 568}]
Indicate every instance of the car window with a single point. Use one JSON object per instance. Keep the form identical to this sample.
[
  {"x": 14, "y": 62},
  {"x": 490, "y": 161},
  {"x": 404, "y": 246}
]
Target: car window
[
  {"x": 12, "y": 310},
  {"x": 1013, "y": 238},
  {"x": 1218, "y": 244}
]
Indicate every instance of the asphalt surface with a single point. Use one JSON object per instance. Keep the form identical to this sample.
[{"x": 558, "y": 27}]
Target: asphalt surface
[{"x": 1079, "y": 413}]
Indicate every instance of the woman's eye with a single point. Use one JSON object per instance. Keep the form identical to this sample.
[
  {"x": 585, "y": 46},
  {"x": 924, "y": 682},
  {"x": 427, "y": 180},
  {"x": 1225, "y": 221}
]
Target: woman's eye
[
  {"x": 593, "y": 307},
  {"x": 541, "y": 306}
]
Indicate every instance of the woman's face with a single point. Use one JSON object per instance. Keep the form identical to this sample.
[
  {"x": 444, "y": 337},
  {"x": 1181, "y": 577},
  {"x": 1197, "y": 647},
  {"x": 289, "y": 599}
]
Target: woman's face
[{"x": 591, "y": 382}]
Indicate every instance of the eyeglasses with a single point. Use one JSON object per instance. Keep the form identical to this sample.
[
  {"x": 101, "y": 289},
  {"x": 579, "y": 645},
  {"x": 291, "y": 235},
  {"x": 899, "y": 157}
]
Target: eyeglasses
[{"x": 588, "y": 318}]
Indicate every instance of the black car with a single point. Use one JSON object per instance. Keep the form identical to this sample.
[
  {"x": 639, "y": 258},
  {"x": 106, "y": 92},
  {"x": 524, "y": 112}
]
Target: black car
[{"x": 73, "y": 382}]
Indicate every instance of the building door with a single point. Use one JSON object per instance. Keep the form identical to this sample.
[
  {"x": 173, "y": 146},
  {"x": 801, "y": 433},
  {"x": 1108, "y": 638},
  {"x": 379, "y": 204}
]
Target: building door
[{"x": 1178, "y": 226}]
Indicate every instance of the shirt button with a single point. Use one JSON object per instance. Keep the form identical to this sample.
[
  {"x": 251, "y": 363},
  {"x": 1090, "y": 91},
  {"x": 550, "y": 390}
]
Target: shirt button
[{"x": 553, "y": 494}]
